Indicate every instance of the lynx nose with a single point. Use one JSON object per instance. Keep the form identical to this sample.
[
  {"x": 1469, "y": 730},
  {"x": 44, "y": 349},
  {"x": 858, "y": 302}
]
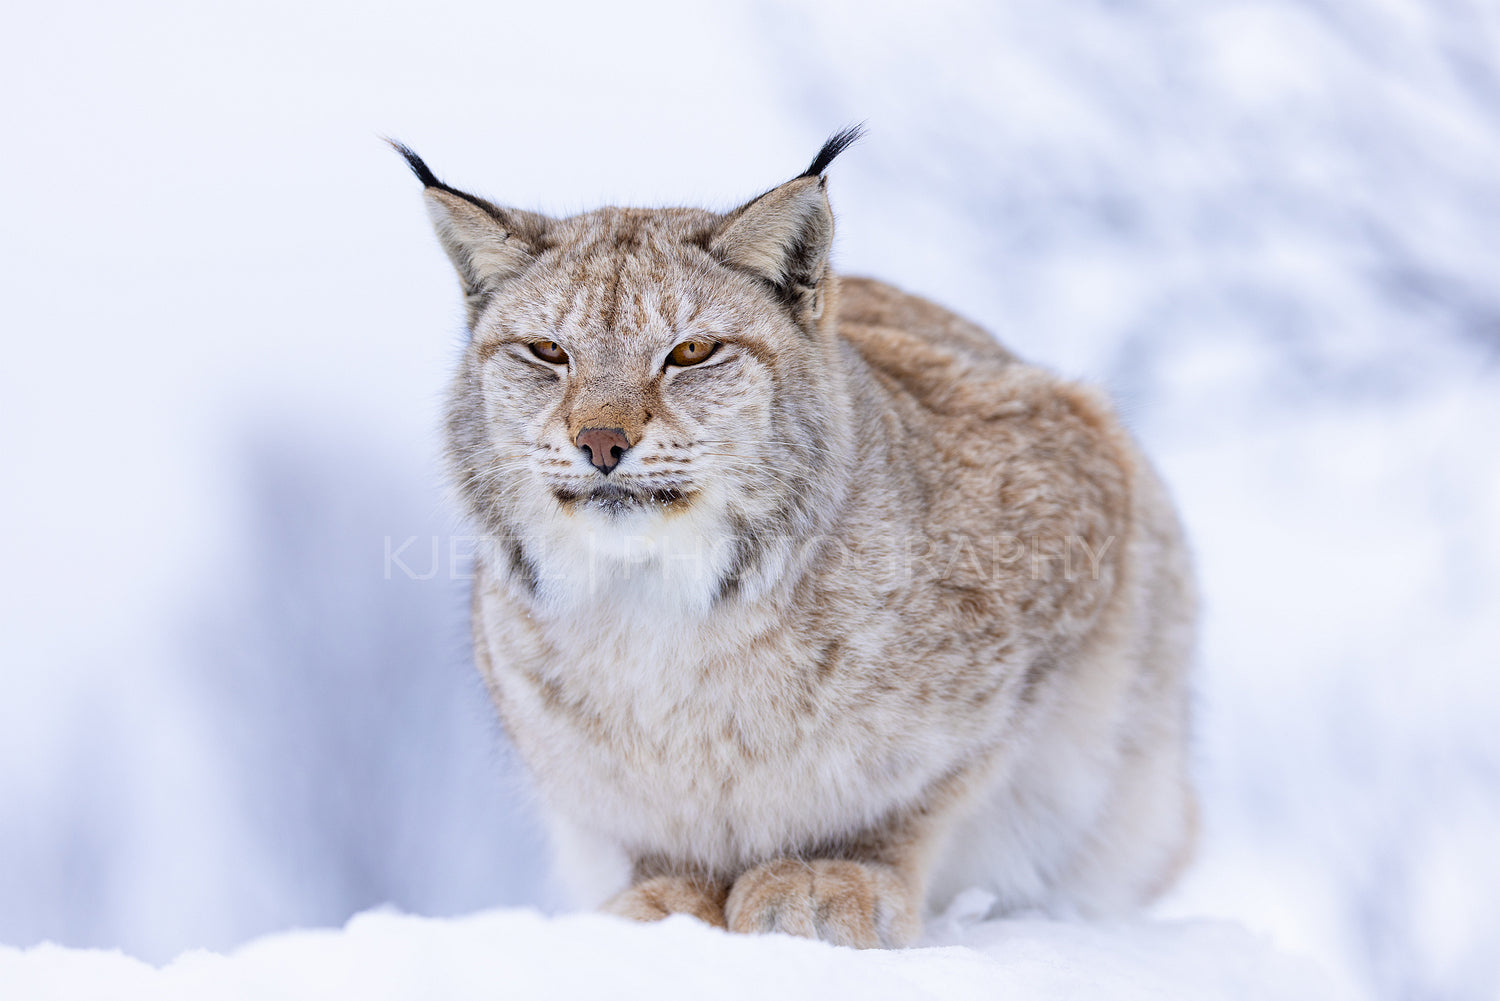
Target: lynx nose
[{"x": 605, "y": 447}]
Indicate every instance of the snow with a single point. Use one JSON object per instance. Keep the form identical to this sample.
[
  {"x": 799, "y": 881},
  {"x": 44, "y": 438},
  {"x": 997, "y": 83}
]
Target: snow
[
  {"x": 522, "y": 954},
  {"x": 1270, "y": 228}
]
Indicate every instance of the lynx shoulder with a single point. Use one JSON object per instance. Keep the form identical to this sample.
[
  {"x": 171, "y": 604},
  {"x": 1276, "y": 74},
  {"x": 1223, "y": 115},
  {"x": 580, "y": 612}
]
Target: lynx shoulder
[{"x": 806, "y": 603}]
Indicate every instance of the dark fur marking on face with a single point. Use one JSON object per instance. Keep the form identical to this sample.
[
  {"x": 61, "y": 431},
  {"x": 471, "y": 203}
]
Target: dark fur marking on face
[
  {"x": 756, "y": 350},
  {"x": 489, "y": 349},
  {"x": 729, "y": 584},
  {"x": 522, "y": 567},
  {"x": 746, "y": 553}
]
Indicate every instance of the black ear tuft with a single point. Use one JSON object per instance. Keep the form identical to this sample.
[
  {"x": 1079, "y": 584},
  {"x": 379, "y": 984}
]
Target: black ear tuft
[
  {"x": 429, "y": 179},
  {"x": 839, "y": 142},
  {"x": 424, "y": 173}
]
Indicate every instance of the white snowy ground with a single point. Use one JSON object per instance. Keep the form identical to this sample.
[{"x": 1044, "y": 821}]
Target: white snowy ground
[{"x": 521, "y": 954}]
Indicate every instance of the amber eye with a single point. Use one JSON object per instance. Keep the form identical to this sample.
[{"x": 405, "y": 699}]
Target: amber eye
[
  {"x": 691, "y": 352},
  {"x": 549, "y": 351}
]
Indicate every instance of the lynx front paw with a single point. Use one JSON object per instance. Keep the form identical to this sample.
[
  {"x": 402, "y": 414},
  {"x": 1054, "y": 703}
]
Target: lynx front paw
[
  {"x": 846, "y": 903},
  {"x": 654, "y": 899}
]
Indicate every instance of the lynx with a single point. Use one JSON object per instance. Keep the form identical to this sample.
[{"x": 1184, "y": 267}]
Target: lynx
[{"x": 806, "y": 603}]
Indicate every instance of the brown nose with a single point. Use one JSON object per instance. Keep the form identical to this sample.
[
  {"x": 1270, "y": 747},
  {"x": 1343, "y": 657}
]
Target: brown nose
[{"x": 605, "y": 446}]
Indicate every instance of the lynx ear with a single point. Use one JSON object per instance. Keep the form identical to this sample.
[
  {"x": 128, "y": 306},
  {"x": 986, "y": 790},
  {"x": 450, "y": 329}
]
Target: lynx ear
[
  {"x": 486, "y": 243},
  {"x": 784, "y": 235}
]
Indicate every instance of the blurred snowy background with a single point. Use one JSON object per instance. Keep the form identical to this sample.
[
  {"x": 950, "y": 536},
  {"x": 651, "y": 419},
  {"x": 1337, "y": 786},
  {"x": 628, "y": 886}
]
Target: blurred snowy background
[{"x": 1270, "y": 227}]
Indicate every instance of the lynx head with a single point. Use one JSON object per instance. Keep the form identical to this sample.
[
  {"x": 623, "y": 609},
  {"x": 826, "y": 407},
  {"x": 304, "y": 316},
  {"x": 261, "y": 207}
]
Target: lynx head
[{"x": 656, "y": 387}]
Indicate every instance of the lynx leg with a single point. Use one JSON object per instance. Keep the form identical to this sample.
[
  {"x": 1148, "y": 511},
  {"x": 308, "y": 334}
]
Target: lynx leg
[
  {"x": 869, "y": 891},
  {"x": 656, "y": 898},
  {"x": 866, "y": 905}
]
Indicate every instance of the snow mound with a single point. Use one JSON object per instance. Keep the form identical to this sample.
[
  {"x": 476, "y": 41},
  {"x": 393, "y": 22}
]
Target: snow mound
[{"x": 521, "y": 954}]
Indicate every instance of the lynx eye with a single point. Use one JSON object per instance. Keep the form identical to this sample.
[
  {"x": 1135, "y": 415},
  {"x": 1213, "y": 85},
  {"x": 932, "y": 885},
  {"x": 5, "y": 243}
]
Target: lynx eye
[
  {"x": 691, "y": 352},
  {"x": 549, "y": 351}
]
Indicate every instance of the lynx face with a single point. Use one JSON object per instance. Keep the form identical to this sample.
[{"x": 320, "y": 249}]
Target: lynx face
[
  {"x": 606, "y": 333},
  {"x": 640, "y": 397}
]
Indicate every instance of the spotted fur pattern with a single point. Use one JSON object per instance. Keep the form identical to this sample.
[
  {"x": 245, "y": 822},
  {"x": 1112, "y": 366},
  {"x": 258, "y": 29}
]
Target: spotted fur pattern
[{"x": 870, "y": 611}]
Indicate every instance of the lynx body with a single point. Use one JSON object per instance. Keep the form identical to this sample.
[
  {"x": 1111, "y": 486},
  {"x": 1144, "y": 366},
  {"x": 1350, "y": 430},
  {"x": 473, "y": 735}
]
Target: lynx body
[{"x": 805, "y": 602}]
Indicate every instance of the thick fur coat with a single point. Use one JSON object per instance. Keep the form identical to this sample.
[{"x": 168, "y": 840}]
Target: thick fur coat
[{"x": 806, "y": 603}]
